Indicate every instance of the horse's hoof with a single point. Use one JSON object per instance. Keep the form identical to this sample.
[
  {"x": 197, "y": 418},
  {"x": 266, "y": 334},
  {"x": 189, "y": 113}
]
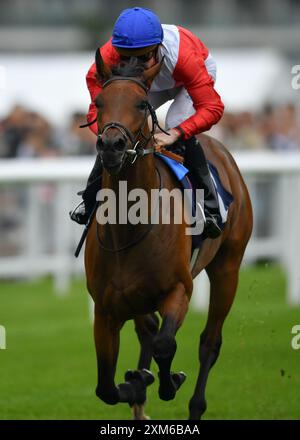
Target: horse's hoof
[
  {"x": 139, "y": 380},
  {"x": 179, "y": 378},
  {"x": 167, "y": 390},
  {"x": 143, "y": 375}
]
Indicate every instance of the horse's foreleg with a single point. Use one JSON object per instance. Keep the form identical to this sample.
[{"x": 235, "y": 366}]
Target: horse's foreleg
[
  {"x": 223, "y": 281},
  {"x": 146, "y": 327},
  {"x": 107, "y": 337},
  {"x": 172, "y": 310}
]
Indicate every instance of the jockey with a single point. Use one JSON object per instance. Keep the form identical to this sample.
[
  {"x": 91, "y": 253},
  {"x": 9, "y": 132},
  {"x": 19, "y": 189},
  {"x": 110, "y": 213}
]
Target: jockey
[{"x": 187, "y": 76}]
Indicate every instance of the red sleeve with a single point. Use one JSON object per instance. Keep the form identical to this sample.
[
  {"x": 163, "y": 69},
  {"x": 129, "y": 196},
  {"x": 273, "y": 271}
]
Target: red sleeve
[
  {"x": 111, "y": 57},
  {"x": 191, "y": 71},
  {"x": 94, "y": 89}
]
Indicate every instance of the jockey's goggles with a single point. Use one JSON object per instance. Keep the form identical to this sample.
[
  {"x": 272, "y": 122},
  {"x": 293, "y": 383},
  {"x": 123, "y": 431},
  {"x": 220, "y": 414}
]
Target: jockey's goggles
[{"x": 144, "y": 54}]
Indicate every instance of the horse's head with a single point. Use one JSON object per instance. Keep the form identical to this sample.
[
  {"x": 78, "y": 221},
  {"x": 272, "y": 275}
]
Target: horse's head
[{"x": 123, "y": 110}]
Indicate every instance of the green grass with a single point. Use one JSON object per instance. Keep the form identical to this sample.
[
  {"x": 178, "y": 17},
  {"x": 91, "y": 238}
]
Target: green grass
[{"x": 48, "y": 370}]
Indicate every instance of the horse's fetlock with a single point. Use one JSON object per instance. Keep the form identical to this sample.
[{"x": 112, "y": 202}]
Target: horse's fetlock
[
  {"x": 109, "y": 396},
  {"x": 197, "y": 407},
  {"x": 164, "y": 347}
]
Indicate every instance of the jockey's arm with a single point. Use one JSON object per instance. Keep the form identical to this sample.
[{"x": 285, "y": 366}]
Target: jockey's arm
[
  {"x": 94, "y": 89},
  {"x": 200, "y": 86}
]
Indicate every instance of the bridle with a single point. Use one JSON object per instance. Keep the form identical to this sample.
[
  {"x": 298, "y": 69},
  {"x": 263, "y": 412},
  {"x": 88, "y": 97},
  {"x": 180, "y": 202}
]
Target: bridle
[
  {"x": 138, "y": 141},
  {"x": 138, "y": 149}
]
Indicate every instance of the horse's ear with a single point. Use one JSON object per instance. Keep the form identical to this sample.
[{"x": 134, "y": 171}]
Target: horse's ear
[
  {"x": 150, "y": 74},
  {"x": 103, "y": 70}
]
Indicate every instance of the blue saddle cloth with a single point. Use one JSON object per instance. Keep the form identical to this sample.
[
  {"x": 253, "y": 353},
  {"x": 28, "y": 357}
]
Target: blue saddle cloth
[{"x": 225, "y": 198}]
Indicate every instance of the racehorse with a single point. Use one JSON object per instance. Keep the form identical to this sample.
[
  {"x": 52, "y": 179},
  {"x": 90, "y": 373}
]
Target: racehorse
[{"x": 134, "y": 271}]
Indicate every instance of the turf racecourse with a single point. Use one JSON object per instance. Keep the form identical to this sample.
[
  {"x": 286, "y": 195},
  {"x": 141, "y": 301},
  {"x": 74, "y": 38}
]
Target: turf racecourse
[{"x": 48, "y": 370}]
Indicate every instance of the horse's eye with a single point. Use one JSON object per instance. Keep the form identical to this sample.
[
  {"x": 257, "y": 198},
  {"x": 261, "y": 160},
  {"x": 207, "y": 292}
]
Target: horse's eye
[{"x": 142, "y": 105}]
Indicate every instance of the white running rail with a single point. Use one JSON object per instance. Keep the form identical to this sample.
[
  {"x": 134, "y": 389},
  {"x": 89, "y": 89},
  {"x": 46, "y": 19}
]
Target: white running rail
[{"x": 48, "y": 238}]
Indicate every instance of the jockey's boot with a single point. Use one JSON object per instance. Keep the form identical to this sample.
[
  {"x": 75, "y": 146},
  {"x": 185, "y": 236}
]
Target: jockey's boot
[
  {"x": 196, "y": 163},
  {"x": 82, "y": 212}
]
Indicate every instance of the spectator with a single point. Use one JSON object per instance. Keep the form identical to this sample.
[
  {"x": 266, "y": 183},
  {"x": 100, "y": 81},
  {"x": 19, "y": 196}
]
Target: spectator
[
  {"x": 13, "y": 130},
  {"x": 287, "y": 129},
  {"x": 37, "y": 141},
  {"x": 25, "y": 133},
  {"x": 76, "y": 140}
]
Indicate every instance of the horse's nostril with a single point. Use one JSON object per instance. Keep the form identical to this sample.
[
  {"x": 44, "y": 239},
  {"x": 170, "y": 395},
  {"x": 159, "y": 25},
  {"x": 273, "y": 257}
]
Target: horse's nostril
[
  {"x": 119, "y": 144},
  {"x": 111, "y": 144}
]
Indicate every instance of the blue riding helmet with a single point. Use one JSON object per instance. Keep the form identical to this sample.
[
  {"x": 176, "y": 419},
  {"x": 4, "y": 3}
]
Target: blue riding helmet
[{"x": 136, "y": 28}]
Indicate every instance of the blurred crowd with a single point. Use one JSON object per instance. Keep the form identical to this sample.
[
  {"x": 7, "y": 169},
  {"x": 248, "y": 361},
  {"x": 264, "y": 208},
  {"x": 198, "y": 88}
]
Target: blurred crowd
[
  {"x": 274, "y": 128},
  {"x": 25, "y": 133}
]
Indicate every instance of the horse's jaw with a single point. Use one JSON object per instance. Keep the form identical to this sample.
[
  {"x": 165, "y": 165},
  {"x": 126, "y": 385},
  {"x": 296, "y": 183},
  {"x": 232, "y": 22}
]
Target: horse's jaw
[{"x": 113, "y": 170}]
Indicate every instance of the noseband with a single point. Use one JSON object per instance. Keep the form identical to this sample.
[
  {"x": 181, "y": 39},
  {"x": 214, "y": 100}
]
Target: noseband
[{"x": 137, "y": 144}]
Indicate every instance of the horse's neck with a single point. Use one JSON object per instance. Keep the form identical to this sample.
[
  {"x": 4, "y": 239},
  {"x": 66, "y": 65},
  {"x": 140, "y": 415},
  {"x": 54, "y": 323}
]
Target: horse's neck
[{"x": 142, "y": 176}]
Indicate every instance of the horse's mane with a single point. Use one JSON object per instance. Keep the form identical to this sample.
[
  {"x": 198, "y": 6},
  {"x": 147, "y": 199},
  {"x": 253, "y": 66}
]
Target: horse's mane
[{"x": 134, "y": 68}]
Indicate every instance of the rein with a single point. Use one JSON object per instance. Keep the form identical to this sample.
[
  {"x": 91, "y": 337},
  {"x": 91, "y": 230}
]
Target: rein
[{"x": 136, "y": 240}]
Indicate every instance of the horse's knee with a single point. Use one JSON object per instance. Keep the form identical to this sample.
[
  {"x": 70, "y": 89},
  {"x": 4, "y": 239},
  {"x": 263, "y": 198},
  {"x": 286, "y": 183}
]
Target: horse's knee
[
  {"x": 107, "y": 395},
  {"x": 164, "y": 347}
]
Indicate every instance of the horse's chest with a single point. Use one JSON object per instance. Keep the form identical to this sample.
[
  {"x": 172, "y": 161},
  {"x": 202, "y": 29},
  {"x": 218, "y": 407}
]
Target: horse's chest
[
  {"x": 137, "y": 285},
  {"x": 131, "y": 296}
]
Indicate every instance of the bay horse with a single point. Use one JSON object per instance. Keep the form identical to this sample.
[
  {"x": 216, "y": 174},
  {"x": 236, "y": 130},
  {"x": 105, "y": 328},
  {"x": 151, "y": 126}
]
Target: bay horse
[{"x": 134, "y": 271}]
